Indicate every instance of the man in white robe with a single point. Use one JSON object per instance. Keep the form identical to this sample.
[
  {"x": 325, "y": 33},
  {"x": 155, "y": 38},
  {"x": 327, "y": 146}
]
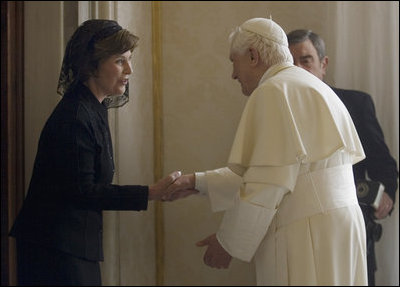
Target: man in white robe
[{"x": 288, "y": 191}]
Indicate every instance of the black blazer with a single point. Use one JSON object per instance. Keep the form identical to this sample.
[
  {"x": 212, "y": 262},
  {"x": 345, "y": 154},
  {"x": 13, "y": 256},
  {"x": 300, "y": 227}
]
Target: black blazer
[
  {"x": 379, "y": 164},
  {"x": 71, "y": 180}
]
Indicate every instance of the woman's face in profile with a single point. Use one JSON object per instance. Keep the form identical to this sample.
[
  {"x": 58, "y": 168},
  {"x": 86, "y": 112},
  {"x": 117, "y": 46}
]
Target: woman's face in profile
[{"x": 113, "y": 74}]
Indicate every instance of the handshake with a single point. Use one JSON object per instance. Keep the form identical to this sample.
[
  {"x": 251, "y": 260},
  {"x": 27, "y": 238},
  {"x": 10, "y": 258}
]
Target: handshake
[
  {"x": 175, "y": 186},
  {"x": 172, "y": 187}
]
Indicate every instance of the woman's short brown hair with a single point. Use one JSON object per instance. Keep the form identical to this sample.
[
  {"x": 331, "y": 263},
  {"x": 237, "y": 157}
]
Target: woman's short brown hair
[{"x": 115, "y": 44}]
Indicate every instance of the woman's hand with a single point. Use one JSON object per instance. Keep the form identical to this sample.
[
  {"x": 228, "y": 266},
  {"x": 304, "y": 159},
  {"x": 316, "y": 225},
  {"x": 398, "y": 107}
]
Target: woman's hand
[{"x": 159, "y": 189}]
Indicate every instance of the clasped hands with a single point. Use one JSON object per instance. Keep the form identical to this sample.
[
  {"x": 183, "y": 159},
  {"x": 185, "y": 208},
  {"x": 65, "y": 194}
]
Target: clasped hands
[
  {"x": 176, "y": 186},
  {"x": 173, "y": 187}
]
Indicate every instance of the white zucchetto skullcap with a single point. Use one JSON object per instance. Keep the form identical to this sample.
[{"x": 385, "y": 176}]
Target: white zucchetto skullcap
[{"x": 266, "y": 28}]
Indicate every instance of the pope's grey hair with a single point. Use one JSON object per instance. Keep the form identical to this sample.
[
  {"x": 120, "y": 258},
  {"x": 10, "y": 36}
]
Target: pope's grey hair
[{"x": 271, "y": 53}]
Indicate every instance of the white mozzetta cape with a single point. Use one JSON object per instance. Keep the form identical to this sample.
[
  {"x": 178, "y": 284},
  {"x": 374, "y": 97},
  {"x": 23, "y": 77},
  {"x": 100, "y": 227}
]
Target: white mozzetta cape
[{"x": 292, "y": 117}]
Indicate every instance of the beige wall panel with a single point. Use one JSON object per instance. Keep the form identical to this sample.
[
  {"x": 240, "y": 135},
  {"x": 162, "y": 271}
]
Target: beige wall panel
[
  {"x": 134, "y": 150},
  {"x": 43, "y": 57},
  {"x": 202, "y": 107}
]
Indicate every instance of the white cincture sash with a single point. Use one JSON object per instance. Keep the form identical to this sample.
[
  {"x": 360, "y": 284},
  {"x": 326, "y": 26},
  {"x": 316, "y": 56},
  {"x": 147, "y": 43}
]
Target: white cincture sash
[{"x": 317, "y": 192}]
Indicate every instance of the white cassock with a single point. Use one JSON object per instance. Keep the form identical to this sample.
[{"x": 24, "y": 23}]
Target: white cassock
[{"x": 288, "y": 191}]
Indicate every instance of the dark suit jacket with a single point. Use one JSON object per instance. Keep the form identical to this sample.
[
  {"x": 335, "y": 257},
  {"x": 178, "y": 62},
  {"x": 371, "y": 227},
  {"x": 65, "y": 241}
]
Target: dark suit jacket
[
  {"x": 71, "y": 180},
  {"x": 379, "y": 164}
]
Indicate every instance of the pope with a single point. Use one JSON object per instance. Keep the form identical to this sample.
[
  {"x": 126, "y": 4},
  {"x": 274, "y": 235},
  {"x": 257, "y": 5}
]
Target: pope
[{"x": 287, "y": 193}]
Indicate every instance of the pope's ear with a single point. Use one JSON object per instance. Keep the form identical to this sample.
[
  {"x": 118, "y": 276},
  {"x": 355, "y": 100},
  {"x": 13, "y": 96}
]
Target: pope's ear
[{"x": 254, "y": 56}]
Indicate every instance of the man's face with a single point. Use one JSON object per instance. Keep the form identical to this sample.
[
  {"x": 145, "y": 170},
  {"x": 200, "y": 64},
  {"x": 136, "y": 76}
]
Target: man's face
[
  {"x": 243, "y": 71},
  {"x": 305, "y": 56}
]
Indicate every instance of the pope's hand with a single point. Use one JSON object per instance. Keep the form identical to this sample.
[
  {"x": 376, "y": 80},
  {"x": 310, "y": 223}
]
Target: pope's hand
[
  {"x": 181, "y": 187},
  {"x": 215, "y": 256}
]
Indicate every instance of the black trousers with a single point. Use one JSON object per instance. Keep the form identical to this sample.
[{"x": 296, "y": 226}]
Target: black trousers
[
  {"x": 371, "y": 261},
  {"x": 38, "y": 265},
  {"x": 373, "y": 235}
]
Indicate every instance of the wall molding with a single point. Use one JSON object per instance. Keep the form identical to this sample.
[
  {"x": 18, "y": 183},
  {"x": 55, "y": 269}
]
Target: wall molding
[
  {"x": 158, "y": 136},
  {"x": 12, "y": 131}
]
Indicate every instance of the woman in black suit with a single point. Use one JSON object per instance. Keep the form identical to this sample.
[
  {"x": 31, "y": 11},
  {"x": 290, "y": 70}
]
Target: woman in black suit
[{"x": 59, "y": 228}]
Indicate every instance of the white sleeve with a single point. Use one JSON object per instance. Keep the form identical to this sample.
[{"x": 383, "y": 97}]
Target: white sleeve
[
  {"x": 246, "y": 223},
  {"x": 221, "y": 185}
]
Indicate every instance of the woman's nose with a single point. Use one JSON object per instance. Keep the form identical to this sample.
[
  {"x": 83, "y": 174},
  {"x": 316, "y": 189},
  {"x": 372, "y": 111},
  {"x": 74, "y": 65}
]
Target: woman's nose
[{"x": 128, "y": 68}]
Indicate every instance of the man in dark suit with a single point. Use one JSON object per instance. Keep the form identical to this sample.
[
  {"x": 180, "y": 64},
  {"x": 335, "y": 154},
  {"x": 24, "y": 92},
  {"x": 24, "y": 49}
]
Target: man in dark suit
[{"x": 308, "y": 50}]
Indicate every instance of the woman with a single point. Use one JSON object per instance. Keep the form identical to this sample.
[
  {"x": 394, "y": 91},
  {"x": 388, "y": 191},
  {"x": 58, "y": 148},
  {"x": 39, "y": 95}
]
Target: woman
[{"x": 59, "y": 228}]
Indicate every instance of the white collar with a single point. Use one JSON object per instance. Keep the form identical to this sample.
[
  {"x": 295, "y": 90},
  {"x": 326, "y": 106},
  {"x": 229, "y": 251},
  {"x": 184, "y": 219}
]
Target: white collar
[{"x": 273, "y": 70}]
